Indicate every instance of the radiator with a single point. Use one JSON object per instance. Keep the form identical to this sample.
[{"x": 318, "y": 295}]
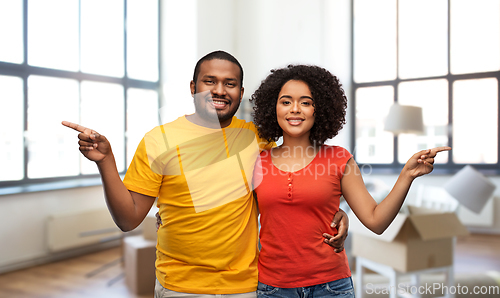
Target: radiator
[{"x": 67, "y": 231}]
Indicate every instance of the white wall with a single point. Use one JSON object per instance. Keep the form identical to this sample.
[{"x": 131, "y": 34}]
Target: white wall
[
  {"x": 216, "y": 27},
  {"x": 337, "y": 56},
  {"x": 179, "y": 55},
  {"x": 23, "y": 217},
  {"x": 273, "y": 34}
]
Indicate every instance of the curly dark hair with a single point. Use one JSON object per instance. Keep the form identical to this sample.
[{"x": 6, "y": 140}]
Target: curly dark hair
[{"x": 329, "y": 102}]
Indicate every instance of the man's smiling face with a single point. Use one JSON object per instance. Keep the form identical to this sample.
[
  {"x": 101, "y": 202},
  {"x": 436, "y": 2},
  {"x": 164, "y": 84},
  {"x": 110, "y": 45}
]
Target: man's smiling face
[{"x": 217, "y": 91}]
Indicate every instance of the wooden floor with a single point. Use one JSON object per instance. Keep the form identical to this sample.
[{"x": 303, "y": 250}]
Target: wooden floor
[
  {"x": 477, "y": 254},
  {"x": 94, "y": 275},
  {"x": 101, "y": 274}
]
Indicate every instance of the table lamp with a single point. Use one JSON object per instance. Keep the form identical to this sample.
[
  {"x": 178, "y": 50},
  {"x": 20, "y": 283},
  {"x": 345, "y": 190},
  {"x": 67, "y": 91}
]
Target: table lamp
[
  {"x": 470, "y": 188},
  {"x": 404, "y": 119}
]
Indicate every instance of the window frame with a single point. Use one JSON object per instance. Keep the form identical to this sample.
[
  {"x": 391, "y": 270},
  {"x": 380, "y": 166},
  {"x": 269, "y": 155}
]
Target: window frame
[
  {"x": 395, "y": 167},
  {"x": 24, "y": 70}
]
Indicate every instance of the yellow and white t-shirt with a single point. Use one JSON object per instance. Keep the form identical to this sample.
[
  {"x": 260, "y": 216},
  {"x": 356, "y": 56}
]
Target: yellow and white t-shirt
[{"x": 203, "y": 180}]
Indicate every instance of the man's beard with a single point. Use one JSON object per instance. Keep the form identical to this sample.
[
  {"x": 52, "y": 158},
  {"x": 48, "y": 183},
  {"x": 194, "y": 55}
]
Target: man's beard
[{"x": 205, "y": 113}]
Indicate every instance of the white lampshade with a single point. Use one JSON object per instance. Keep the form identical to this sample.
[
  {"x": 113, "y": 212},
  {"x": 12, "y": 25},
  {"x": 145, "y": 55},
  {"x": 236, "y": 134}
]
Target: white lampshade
[
  {"x": 471, "y": 188},
  {"x": 404, "y": 119}
]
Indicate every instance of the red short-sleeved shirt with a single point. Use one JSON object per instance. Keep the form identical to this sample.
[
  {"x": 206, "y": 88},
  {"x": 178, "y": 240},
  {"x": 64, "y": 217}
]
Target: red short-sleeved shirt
[{"x": 296, "y": 209}]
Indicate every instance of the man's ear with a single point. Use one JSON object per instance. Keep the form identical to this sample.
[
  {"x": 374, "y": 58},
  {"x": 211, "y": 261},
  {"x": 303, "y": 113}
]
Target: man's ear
[
  {"x": 192, "y": 86},
  {"x": 241, "y": 93}
]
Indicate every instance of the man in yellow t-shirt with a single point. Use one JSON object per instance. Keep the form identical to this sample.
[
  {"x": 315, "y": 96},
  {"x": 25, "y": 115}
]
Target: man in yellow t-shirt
[
  {"x": 200, "y": 168},
  {"x": 206, "y": 243}
]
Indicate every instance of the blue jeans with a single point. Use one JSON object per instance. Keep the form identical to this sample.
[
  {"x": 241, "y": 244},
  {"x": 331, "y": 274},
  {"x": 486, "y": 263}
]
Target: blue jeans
[{"x": 341, "y": 288}]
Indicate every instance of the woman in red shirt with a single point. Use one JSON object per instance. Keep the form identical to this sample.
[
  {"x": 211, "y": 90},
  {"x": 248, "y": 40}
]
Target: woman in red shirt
[{"x": 299, "y": 184}]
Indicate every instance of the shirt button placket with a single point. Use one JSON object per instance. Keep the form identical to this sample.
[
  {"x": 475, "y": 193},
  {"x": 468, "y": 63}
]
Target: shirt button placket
[{"x": 289, "y": 185}]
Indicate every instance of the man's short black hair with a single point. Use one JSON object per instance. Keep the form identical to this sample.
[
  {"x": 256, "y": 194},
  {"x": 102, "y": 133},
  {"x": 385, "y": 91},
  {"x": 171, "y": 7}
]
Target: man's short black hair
[{"x": 221, "y": 55}]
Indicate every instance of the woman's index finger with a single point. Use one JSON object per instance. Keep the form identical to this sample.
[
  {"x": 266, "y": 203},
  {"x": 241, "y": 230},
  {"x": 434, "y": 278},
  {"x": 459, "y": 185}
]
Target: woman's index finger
[{"x": 440, "y": 149}]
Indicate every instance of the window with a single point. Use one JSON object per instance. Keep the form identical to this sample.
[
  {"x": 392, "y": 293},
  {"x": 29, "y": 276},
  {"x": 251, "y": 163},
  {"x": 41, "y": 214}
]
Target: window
[
  {"x": 441, "y": 55},
  {"x": 90, "y": 62}
]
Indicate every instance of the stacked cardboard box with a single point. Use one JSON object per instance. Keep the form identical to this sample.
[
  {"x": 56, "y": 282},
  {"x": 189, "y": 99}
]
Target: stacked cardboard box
[
  {"x": 149, "y": 227},
  {"x": 419, "y": 240},
  {"x": 140, "y": 257}
]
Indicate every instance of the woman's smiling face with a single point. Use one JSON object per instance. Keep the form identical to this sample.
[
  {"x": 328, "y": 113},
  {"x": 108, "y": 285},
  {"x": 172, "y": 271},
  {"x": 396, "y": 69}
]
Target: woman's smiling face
[{"x": 295, "y": 110}]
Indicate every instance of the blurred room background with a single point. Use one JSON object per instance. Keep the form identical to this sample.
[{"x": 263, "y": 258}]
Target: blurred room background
[{"x": 124, "y": 66}]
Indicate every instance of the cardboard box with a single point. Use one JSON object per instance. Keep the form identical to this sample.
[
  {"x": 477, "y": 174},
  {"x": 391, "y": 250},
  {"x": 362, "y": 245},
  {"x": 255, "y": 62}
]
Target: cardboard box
[
  {"x": 139, "y": 259},
  {"x": 419, "y": 240},
  {"x": 148, "y": 226}
]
